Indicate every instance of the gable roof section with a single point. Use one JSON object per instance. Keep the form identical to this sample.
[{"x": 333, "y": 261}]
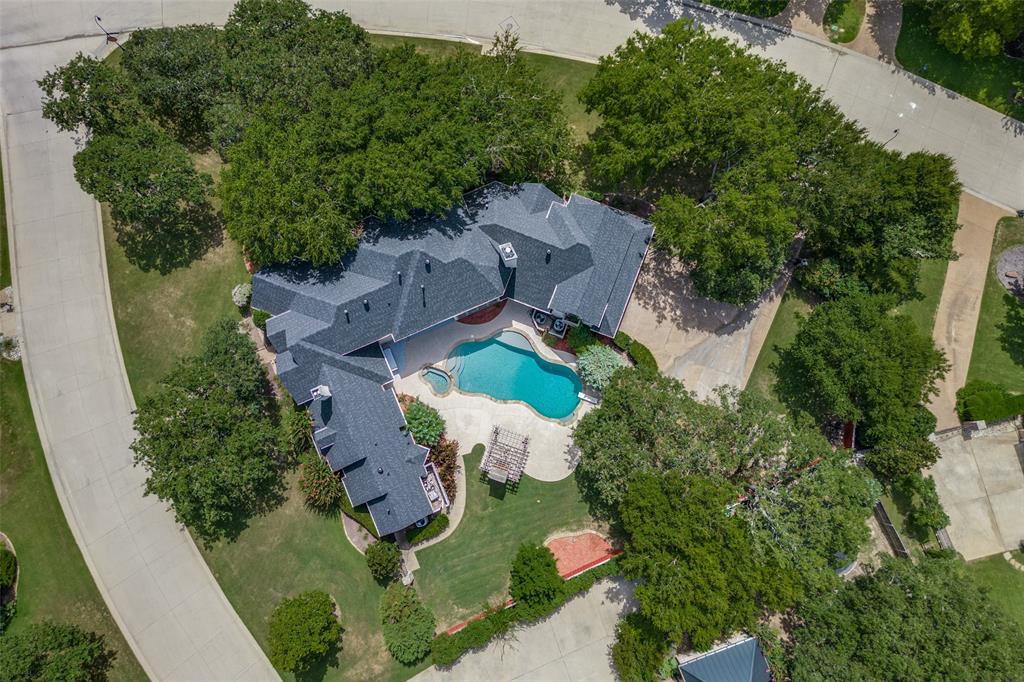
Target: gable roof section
[{"x": 740, "y": 662}]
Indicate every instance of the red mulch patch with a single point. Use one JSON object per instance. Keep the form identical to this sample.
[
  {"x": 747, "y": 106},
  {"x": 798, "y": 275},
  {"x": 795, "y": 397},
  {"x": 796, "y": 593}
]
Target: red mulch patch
[
  {"x": 577, "y": 553},
  {"x": 485, "y": 315}
]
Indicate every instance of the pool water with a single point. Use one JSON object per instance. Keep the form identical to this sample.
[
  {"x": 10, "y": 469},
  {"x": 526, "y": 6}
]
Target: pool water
[
  {"x": 506, "y": 367},
  {"x": 438, "y": 380}
]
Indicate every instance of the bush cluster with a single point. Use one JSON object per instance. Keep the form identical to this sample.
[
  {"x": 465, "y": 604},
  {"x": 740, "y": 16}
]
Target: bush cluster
[
  {"x": 985, "y": 401},
  {"x": 408, "y": 625},
  {"x": 579, "y": 338},
  {"x": 260, "y": 317},
  {"x": 447, "y": 648},
  {"x": 639, "y": 353},
  {"x": 384, "y": 560},
  {"x": 302, "y": 629},
  {"x": 445, "y": 456},
  {"x": 424, "y": 423},
  {"x": 597, "y": 363},
  {"x": 318, "y": 483},
  {"x": 437, "y": 525},
  {"x": 8, "y": 568},
  {"x": 926, "y": 512}
]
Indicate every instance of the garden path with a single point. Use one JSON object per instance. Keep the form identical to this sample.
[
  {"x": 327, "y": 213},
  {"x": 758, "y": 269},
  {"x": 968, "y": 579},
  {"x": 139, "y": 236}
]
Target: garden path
[{"x": 880, "y": 31}]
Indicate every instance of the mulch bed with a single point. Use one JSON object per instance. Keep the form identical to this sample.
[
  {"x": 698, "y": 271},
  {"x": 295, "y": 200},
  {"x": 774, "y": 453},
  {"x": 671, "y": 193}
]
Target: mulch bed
[
  {"x": 484, "y": 316},
  {"x": 576, "y": 553}
]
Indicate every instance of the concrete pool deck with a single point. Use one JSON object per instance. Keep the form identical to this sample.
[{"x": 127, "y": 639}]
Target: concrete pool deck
[{"x": 470, "y": 418}]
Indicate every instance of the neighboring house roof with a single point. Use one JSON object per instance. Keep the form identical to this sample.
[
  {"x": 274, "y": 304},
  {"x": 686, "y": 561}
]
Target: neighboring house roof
[
  {"x": 740, "y": 662},
  {"x": 579, "y": 257}
]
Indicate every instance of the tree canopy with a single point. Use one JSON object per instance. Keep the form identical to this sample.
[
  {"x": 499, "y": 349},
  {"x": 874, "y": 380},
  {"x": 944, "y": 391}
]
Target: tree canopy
[
  {"x": 206, "y": 436},
  {"x": 977, "y": 28},
  {"x": 853, "y": 360},
  {"x": 87, "y": 93},
  {"x": 907, "y": 621},
  {"x": 410, "y": 137},
  {"x": 55, "y": 651},
  {"x": 408, "y": 625},
  {"x": 741, "y": 156},
  {"x": 699, "y": 576},
  {"x": 302, "y": 629},
  {"x": 535, "y": 583}
]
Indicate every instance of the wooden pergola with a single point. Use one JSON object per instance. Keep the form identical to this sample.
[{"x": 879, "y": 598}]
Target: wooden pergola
[{"x": 506, "y": 456}]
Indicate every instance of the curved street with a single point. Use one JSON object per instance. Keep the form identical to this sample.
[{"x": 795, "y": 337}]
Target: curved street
[{"x": 156, "y": 584}]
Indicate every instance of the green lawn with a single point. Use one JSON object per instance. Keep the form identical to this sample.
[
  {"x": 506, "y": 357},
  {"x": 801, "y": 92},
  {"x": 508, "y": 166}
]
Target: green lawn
[
  {"x": 55, "y": 583},
  {"x": 782, "y": 332},
  {"x": 1006, "y": 584},
  {"x": 929, "y": 287},
  {"x": 843, "y": 19},
  {"x": 989, "y": 80},
  {"x": 471, "y": 567},
  {"x": 998, "y": 353},
  {"x": 563, "y": 75}
]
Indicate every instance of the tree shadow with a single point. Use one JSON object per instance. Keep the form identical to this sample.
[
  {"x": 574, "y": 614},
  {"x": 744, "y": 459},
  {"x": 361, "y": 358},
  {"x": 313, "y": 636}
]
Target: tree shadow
[
  {"x": 655, "y": 14},
  {"x": 1011, "y": 329},
  {"x": 173, "y": 243}
]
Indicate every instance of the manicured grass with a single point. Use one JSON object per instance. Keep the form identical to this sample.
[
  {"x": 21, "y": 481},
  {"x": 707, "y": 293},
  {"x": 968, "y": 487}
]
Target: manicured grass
[
  {"x": 843, "y": 19},
  {"x": 471, "y": 567},
  {"x": 161, "y": 317},
  {"x": 754, "y": 8},
  {"x": 566, "y": 76},
  {"x": 55, "y": 582},
  {"x": 1006, "y": 584},
  {"x": 782, "y": 332},
  {"x": 988, "y": 80},
  {"x": 293, "y": 549},
  {"x": 998, "y": 353},
  {"x": 929, "y": 287}
]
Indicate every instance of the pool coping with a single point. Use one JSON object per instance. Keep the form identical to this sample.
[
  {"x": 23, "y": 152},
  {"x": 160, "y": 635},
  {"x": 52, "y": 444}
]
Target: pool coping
[{"x": 568, "y": 420}]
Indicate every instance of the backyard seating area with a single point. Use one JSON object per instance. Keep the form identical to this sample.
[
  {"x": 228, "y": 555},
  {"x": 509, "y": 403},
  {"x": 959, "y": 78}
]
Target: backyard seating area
[{"x": 506, "y": 456}]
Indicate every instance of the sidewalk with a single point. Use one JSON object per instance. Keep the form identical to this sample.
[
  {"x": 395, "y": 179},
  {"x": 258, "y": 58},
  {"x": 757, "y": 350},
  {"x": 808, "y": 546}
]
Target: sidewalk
[{"x": 156, "y": 584}]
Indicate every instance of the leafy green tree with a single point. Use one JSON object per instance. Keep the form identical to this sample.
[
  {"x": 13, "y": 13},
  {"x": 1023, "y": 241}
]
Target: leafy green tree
[
  {"x": 408, "y": 625},
  {"x": 976, "y": 28},
  {"x": 303, "y": 629},
  {"x": 411, "y": 136},
  {"x": 926, "y": 512},
  {"x": 933, "y": 609},
  {"x": 852, "y": 360},
  {"x": 157, "y": 199},
  {"x": 535, "y": 584},
  {"x": 179, "y": 74},
  {"x": 639, "y": 649},
  {"x": 8, "y": 568},
  {"x": 424, "y": 422},
  {"x": 87, "y": 93},
  {"x": 206, "y": 438},
  {"x": 597, "y": 363},
  {"x": 318, "y": 483},
  {"x": 384, "y": 560},
  {"x": 55, "y": 651},
  {"x": 699, "y": 576}
]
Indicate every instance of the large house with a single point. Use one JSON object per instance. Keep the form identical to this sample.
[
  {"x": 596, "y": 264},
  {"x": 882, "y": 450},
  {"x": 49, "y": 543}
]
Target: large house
[{"x": 332, "y": 326}]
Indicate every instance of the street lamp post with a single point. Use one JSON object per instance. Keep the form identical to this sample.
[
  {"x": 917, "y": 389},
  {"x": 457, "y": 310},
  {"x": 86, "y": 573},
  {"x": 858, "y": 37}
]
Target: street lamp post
[
  {"x": 111, "y": 37},
  {"x": 894, "y": 134}
]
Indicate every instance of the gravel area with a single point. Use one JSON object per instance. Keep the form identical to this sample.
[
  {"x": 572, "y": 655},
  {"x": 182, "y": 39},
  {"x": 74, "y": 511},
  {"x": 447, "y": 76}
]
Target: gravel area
[{"x": 1012, "y": 260}]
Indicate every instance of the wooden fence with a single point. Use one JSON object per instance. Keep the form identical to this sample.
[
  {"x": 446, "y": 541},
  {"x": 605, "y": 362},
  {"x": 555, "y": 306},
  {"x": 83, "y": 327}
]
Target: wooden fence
[{"x": 892, "y": 535}]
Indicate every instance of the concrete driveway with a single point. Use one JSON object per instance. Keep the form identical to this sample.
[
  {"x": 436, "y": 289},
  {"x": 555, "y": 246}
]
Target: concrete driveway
[
  {"x": 573, "y": 645},
  {"x": 981, "y": 484}
]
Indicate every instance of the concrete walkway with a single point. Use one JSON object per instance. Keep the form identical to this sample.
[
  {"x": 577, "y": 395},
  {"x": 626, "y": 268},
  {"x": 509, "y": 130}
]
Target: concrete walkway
[
  {"x": 156, "y": 584},
  {"x": 956, "y": 318},
  {"x": 880, "y": 30},
  {"x": 574, "y": 644}
]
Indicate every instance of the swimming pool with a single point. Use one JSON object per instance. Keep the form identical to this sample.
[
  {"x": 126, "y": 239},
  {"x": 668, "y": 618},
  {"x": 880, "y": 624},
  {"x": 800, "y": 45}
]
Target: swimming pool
[{"x": 506, "y": 367}]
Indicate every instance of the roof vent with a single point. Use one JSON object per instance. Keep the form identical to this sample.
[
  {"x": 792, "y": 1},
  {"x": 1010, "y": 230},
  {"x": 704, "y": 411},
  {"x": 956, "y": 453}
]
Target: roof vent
[
  {"x": 347, "y": 318},
  {"x": 508, "y": 255},
  {"x": 399, "y": 273},
  {"x": 321, "y": 392},
  {"x": 380, "y": 470},
  {"x": 366, "y": 304},
  {"x": 547, "y": 256}
]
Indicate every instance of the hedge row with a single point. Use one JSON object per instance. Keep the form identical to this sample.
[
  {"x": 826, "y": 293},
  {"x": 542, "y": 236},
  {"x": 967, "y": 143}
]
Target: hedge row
[
  {"x": 639, "y": 353},
  {"x": 447, "y": 649},
  {"x": 437, "y": 525},
  {"x": 260, "y": 317},
  {"x": 982, "y": 400}
]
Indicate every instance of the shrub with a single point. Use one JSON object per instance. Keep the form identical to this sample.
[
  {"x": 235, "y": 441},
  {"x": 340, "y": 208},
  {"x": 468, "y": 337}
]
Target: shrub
[
  {"x": 597, "y": 364},
  {"x": 623, "y": 341},
  {"x": 302, "y": 630},
  {"x": 642, "y": 356},
  {"x": 241, "y": 295},
  {"x": 424, "y": 423},
  {"x": 639, "y": 649},
  {"x": 408, "y": 625},
  {"x": 296, "y": 431},
  {"x": 318, "y": 483},
  {"x": 384, "y": 560},
  {"x": 8, "y": 568},
  {"x": 54, "y": 651},
  {"x": 579, "y": 338},
  {"x": 926, "y": 513},
  {"x": 535, "y": 583},
  {"x": 445, "y": 456},
  {"x": 437, "y": 525},
  {"x": 260, "y": 317},
  {"x": 982, "y": 400}
]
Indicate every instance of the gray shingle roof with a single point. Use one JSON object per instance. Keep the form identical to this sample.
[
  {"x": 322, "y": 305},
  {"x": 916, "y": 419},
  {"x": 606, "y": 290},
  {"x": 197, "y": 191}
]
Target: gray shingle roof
[{"x": 579, "y": 258}]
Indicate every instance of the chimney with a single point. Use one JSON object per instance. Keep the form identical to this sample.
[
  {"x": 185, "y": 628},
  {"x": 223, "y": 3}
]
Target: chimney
[
  {"x": 508, "y": 255},
  {"x": 321, "y": 392}
]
